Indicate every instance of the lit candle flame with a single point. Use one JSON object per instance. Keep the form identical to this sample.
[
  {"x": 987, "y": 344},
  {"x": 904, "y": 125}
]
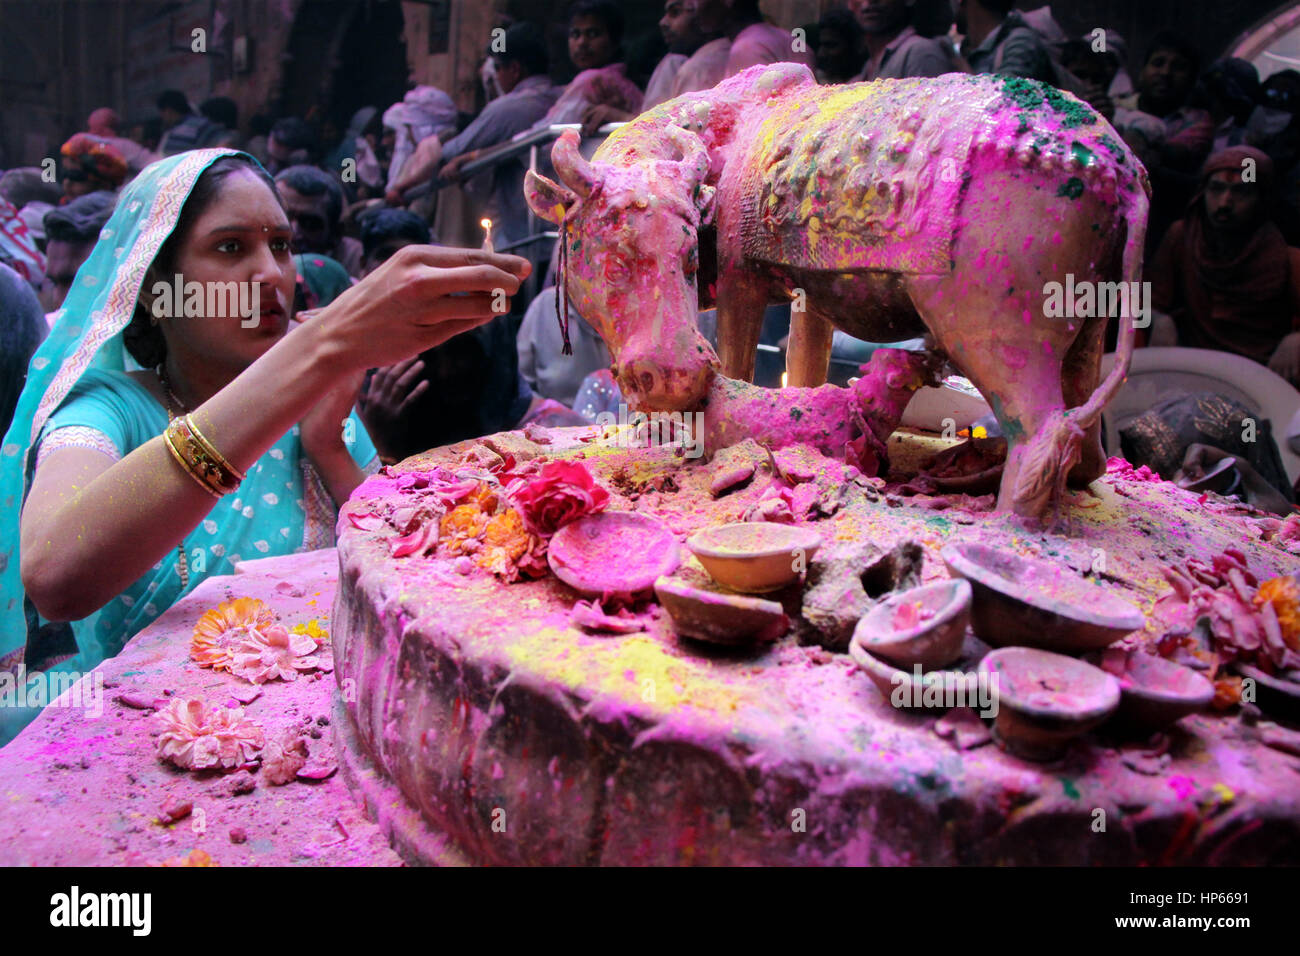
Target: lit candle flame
[
  {"x": 487, "y": 235},
  {"x": 784, "y": 377}
]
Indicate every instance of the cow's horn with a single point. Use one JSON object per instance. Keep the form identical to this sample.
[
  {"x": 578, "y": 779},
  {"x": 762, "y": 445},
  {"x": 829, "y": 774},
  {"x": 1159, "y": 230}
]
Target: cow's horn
[
  {"x": 695, "y": 158},
  {"x": 574, "y": 171}
]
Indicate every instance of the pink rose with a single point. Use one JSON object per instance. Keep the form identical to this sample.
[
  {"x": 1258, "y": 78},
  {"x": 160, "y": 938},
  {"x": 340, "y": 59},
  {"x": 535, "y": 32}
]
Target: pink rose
[{"x": 564, "y": 491}]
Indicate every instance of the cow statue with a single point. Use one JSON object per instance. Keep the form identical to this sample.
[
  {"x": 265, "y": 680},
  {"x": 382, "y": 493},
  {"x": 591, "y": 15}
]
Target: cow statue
[{"x": 888, "y": 209}]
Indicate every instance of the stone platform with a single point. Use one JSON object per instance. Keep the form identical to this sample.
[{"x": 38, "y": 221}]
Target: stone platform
[{"x": 529, "y": 740}]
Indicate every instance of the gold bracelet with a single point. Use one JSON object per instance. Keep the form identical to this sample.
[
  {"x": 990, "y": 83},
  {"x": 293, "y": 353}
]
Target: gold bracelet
[
  {"x": 200, "y": 459},
  {"x": 171, "y": 447},
  {"x": 216, "y": 456}
]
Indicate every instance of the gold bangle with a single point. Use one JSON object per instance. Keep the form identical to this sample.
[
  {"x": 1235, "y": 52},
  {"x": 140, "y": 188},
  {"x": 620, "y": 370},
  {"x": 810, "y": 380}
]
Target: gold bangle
[
  {"x": 216, "y": 456},
  {"x": 206, "y": 466},
  {"x": 185, "y": 465}
]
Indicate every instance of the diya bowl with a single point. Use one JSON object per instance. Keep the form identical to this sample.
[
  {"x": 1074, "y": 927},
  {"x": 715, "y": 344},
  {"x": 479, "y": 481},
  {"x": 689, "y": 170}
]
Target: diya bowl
[
  {"x": 1026, "y": 602},
  {"x": 613, "y": 553},
  {"x": 732, "y": 620},
  {"x": 907, "y": 688},
  {"x": 1045, "y": 700},
  {"x": 1156, "y": 693},
  {"x": 924, "y": 625},
  {"x": 754, "y": 556}
]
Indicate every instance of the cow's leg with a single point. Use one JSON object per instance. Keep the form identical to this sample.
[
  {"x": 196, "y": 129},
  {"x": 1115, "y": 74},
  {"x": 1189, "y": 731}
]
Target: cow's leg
[
  {"x": 988, "y": 314},
  {"x": 742, "y": 298},
  {"x": 971, "y": 324},
  {"x": 1080, "y": 374},
  {"x": 808, "y": 355}
]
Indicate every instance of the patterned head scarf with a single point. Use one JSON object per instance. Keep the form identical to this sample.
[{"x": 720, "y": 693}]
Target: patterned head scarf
[{"x": 87, "y": 333}]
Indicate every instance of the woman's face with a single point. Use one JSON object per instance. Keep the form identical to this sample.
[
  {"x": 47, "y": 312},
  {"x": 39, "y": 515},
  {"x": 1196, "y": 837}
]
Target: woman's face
[
  {"x": 590, "y": 45},
  {"x": 238, "y": 252}
]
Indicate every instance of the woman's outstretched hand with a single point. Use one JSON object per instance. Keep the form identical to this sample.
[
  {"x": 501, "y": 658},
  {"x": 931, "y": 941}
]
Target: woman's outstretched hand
[{"x": 419, "y": 298}]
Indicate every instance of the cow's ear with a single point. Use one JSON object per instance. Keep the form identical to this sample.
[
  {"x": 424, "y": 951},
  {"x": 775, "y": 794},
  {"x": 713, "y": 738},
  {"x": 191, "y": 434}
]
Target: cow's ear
[
  {"x": 705, "y": 203},
  {"x": 548, "y": 200}
]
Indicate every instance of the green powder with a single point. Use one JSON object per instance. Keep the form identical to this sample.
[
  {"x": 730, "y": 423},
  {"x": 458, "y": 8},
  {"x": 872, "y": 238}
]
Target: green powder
[{"x": 1073, "y": 188}]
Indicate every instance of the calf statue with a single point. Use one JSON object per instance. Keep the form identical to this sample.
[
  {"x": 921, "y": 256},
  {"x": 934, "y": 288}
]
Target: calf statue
[{"x": 890, "y": 210}]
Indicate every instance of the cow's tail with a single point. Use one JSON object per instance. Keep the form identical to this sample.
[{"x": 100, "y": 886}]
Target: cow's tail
[
  {"x": 1135, "y": 217},
  {"x": 1049, "y": 462}
]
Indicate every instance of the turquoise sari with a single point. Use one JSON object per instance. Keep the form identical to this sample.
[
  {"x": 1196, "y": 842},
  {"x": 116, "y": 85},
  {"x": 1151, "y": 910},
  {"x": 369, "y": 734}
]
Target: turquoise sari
[{"x": 77, "y": 383}]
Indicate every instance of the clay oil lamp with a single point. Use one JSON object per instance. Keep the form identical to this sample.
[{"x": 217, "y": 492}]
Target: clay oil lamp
[
  {"x": 733, "y": 620},
  {"x": 755, "y": 556},
  {"x": 924, "y": 625},
  {"x": 613, "y": 553},
  {"x": 913, "y": 688},
  {"x": 1045, "y": 700},
  {"x": 1024, "y": 602},
  {"x": 1155, "y": 693}
]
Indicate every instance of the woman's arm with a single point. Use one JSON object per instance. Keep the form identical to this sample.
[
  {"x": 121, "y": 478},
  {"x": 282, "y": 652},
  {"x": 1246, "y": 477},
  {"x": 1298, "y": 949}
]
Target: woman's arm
[{"x": 91, "y": 527}]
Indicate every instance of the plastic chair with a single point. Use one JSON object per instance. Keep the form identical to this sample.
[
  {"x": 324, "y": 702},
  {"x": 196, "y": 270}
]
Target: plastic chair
[{"x": 1159, "y": 373}]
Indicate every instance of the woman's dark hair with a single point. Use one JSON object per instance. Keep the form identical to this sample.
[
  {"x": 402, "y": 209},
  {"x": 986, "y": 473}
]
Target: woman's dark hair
[{"x": 144, "y": 340}]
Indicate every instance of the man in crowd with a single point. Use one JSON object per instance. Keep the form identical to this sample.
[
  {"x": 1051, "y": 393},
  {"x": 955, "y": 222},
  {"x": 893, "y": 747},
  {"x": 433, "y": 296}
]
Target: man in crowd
[
  {"x": 1171, "y": 137},
  {"x": 698, "y": 29},
  {"x": 1224, "y": 278},
  {"x": 894, "y": 49},
  {"x": 1164, "y": 85},
  {"x": 71, "y": 232},
  {"x": 313, "y": 201},
  {"x": 527, "y": 94},
  {"x": 223, "y": 113},
  {"x": 183, "y": 128},
  {"x": 291, "y": 142},
  {"x": 998, "y": 40},
  {"x": 755, "y": 41},
  {"x": 839, "y": 47},
  {"x": 1095, "y": 70},
  {"x": 384, "y": 231}
]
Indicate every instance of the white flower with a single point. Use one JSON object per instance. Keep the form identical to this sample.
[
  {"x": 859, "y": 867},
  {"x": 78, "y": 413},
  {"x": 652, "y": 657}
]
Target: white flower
[
  {"x": 273, "y": 652},
  {"x": 196, "y": 738}
]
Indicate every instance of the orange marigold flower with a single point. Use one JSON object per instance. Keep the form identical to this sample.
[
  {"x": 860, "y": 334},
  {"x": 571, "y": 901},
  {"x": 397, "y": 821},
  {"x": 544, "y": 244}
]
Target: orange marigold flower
[
  {"x": 220, "y": 629},
  {"x": 463, "y": 524},
  {"x": 505, "y": 541},
  {"x": 1284, "y": 594},
  {"x": 1227, "y": 693},
  {"x": 195, "y": 858}
]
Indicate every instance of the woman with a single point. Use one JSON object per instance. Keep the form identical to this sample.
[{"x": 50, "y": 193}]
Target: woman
[{"x": 232, "y": 437}]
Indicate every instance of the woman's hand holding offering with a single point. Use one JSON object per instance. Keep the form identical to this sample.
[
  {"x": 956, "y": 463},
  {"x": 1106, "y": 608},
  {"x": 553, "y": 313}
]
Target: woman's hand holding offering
[{"x": 419, "y": 298}]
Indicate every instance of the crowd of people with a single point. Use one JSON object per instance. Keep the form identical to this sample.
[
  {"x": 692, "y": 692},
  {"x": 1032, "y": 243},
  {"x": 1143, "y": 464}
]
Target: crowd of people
[{"x": 374, "y": 309}]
